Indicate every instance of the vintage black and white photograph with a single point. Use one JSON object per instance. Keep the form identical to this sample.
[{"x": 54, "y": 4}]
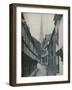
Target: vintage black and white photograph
[
  {"x": 42, "y": 44},
  {"x": 39, "y": 44}
]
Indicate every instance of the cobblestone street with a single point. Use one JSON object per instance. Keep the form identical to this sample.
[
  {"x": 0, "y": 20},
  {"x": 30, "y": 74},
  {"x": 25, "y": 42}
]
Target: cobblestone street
[{"x": 41, "y": 70}]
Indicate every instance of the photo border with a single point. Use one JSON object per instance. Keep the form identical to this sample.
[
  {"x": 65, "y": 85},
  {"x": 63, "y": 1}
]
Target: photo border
[{"x": 12, "y": 63}]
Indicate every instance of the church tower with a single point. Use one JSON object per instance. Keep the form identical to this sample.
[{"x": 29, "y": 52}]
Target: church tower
[
  {"x": 41, "y": 30},
  {"x": 41, "y": 36}
]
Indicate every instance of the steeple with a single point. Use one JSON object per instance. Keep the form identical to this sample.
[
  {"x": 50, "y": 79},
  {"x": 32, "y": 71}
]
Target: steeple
[
  {"x": 41, "y": 30},
  {"x": 41, "y": 36}
]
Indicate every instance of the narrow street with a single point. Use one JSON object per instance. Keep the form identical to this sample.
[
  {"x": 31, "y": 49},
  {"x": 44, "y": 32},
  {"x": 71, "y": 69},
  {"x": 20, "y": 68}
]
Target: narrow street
[{"x": 41, "y": 70}]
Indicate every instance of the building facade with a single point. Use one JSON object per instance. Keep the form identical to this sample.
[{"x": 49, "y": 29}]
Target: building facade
[
  {"x": 52, "y": 69},
  {"x": 58, "y": 19},
  {"x": 55, "y": 48},
  {"x": 30, "y": 55},
  {"x": 44, "y": 54}
]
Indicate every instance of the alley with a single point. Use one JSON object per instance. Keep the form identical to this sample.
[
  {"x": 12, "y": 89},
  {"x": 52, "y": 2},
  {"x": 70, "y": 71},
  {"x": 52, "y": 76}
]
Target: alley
[
  {"x": 41, "y": 70},
  {"x": 42, "y": 50}
]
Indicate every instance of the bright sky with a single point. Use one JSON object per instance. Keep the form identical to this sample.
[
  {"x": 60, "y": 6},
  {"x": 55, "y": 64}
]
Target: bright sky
[{"x": 34, "y": 22}]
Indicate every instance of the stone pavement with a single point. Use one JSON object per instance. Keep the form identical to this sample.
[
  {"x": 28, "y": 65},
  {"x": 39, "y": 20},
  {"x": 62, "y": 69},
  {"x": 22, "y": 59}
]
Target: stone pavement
[{"x": 41, "y": 70}]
